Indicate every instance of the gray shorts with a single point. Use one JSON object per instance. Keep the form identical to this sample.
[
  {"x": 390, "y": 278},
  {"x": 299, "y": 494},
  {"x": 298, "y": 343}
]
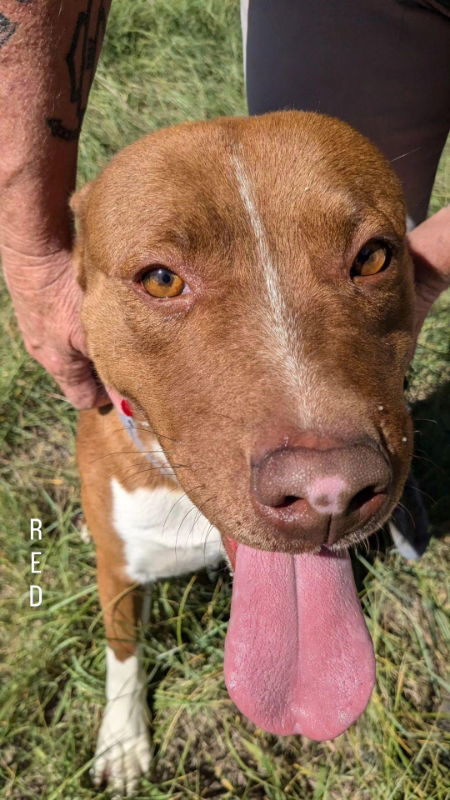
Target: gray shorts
[{"x": 381, "y": 65}]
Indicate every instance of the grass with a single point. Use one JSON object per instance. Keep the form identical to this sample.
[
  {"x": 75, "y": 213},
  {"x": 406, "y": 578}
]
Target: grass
[{"x": 163, "y": 63}]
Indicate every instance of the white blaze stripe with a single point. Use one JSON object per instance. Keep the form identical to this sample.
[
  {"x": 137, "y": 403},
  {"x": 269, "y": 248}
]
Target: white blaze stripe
[{"x": 279, "y": 325}]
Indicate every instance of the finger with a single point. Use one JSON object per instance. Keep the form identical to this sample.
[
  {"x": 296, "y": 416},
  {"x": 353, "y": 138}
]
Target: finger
[
  {"x": 83, "y": 388},
  {"x": 77, "y": 340},
  {"x": 80, "y": 384},
  {"x": 83, "y": 395},
  {"x": 102, "y": 399},
  {"x": 76, "y": 377}
]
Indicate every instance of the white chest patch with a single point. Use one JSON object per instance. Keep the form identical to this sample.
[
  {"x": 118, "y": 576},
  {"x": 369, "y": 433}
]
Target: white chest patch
[{"x": 163, "y": 532}]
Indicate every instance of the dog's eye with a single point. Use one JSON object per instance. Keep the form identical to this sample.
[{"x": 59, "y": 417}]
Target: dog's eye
[
  {"x": 374, "y": 257},
  {"x": 162, "y": 282}
]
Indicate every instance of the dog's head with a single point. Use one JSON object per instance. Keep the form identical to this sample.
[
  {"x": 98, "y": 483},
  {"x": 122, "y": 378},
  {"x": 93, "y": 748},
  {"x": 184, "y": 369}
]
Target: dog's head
[{"x": 249, "y": 289}]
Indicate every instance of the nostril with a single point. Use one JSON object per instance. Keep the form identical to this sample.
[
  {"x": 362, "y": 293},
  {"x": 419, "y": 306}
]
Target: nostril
[
  {"x": 302, "y": 490},
  {"x": 287, "y": 501},
  {"x": 361, "y": 498}
]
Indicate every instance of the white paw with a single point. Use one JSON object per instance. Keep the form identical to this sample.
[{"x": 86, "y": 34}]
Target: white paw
[
  {"x": 83, "y": 530},
  {"x": 123, "y": 751},
  {"x": 123, "y": 747}
]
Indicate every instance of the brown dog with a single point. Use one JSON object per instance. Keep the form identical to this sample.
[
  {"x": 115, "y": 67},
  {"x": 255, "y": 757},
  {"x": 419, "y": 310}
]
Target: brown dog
[{"x": 249, "y": 300}]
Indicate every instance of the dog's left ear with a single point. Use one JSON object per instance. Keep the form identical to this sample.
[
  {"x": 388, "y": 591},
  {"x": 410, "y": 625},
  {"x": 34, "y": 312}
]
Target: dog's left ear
[{"x": 78, "y": 203}]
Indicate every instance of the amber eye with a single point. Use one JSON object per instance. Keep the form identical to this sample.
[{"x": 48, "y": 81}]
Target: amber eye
[
  {"x": 371, "y": 259},
  {"x": 162, "y": 282}
]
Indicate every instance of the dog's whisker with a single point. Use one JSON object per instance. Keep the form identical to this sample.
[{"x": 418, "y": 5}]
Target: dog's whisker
[
  {"x": 408, "y": 511},
  {"x": 208, "y": 531},
  {"x": 427, "y": 460},
  {"x": 196, "y": 518},
  {"x": 422, "y": 492},
  {"x": 133, "y": 452},
  {"x": 193, "y": 508},
  {"x": 376, "y": 537},
  {"x": 163, "y": 471},
  {"x": 179, "y": 499},
  {"x": 404, "y": 155},
  {"x": 160, "y": 435}
]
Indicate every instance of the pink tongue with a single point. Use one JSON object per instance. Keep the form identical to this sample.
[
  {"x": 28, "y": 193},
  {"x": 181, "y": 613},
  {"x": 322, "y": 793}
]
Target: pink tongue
[{"x": 298, "y": 656}]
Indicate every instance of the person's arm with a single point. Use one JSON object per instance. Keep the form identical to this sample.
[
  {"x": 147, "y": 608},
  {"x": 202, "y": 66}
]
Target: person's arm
[
  {"x": 48, "y": 53},
  {"x": 430, "y": 248}
]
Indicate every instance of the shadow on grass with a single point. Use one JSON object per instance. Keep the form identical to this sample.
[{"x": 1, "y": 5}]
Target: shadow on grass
[
  {"x": 431, "y": 470},
  {"x": 431, "y": 460}
]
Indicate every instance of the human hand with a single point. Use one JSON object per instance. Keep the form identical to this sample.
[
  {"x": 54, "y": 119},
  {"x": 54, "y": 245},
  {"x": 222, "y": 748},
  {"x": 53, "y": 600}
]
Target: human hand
[
  {"x": 429, "y": 245},
  {"x": 47, "y": 300}
]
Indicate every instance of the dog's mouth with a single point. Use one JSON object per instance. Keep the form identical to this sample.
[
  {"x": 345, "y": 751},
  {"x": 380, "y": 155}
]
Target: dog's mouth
[{"x": 298, "y": 655}]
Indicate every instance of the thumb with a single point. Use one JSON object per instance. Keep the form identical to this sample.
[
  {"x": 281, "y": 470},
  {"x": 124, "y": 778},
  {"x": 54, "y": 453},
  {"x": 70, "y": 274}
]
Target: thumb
[{"x": 81, "y": 385}]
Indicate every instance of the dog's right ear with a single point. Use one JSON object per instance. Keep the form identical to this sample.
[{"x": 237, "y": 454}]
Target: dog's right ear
[{"x": 78, "y": 203}]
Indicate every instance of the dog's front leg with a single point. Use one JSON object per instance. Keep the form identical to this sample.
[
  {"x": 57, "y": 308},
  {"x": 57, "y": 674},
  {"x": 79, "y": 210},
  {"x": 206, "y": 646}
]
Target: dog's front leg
[{"x": 123, "y": 747}]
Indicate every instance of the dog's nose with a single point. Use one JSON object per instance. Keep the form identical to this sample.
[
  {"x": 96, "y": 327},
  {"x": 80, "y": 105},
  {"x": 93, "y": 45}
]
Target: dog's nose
[{"x": 320, "y": 494}]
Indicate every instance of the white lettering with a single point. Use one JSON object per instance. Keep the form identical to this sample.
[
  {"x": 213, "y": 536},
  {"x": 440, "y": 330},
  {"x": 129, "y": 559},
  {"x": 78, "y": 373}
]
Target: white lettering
[
  {"x": 33, "y": 602},
  {"x": 35, "y": 562},
  {"x": 35, "y": 527}
]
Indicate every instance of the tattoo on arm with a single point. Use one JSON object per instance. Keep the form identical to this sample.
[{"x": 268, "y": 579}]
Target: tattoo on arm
[
  {"x": 81, "y": 60},
  {"x": 7, "y": 29}
]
